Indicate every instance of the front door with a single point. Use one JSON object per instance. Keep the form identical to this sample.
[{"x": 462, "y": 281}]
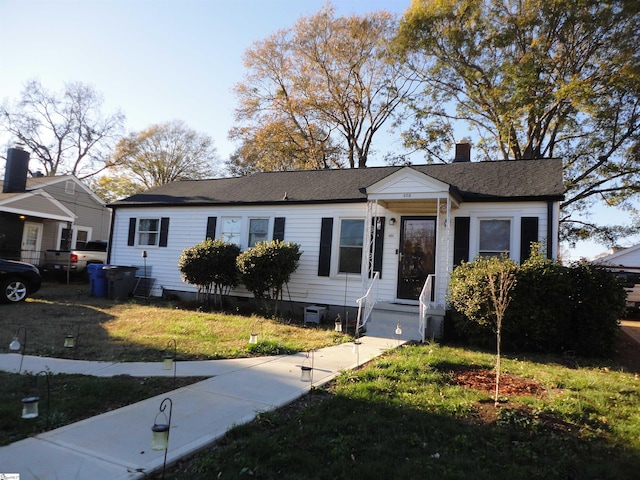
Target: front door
[
  {"x": 417, "y": 255},
  {"x": 31, "y": 243}
]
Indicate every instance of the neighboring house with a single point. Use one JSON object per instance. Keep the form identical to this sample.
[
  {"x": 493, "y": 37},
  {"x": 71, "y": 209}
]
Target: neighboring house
[
  {"x": 41, "y": 213},
  {"x": 625, "y": 263},
  {"x": 403, "y": 222}
]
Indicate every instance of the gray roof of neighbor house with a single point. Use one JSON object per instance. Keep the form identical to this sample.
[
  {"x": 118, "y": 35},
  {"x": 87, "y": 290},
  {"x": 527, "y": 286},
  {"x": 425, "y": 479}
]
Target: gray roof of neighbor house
[{"x": 471, "y": 181}]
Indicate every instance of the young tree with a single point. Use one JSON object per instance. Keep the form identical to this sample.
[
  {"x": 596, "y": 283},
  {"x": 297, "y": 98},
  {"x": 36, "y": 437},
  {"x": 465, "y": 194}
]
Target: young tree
[
  {"x": 211, "y": 266},
  {"x": 330, "y": 81},
  {"x": 267, "y": 267},
  {"x": 534, "y": 79},
  {"x": 482, "y": 291},
  {"x": 65, "y": 131},
  {"x": 166, "y": 152}
]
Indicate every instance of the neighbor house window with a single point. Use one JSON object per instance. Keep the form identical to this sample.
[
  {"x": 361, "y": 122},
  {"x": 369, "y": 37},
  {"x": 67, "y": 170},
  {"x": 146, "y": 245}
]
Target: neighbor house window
[
  {"x": 495, "y": 237},
  {"x": 230, "y": 229},
  {"x": 148, "y": 231},
  {"x": 82, "y": 237},
  {"x": 351, "y": 241},
  {"x": 258, "y": 230},
  {"x": 69, "y": 187}
]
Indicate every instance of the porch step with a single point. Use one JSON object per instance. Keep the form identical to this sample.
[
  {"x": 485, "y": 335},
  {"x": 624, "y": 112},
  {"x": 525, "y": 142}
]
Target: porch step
[{"x": 386, "y": 316}]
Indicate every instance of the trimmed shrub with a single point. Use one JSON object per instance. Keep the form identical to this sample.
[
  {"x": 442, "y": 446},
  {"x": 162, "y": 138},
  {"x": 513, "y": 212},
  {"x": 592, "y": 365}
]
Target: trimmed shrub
[
  {"x": 554, "y": 309},
  {"x": 266, "y": 268},
  {"x": 211, "y": 266}
]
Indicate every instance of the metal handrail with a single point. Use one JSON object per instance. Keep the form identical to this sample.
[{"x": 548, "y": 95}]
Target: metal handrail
[
  {"x": 425, "y": 303},
  {"x": 367, "y": 302}
]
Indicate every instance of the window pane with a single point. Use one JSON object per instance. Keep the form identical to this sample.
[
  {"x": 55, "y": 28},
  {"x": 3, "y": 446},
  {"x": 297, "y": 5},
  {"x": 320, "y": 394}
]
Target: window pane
[
  {"x": 495, "y": 236},
  {"x": 231, "y": 230},
  {"x": 148, "y": 229},
  {"x": 258, "y": 230},
  {"x": 351, "y": 241},
  {"x": 148, "y": 225}
]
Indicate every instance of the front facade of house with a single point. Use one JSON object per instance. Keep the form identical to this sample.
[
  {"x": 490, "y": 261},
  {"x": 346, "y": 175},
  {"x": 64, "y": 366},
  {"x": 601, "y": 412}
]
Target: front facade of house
[
  {"x": 41, "y": 213},
  {"x": 403, "y": 222}
]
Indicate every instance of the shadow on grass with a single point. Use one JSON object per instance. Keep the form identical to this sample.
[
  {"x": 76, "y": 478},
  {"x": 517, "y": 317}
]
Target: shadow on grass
[{"x": 342, "y": 437}]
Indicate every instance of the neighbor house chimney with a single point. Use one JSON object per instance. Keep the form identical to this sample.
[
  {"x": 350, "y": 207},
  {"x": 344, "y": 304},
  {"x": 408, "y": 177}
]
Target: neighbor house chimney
[
  {"x": 15, "y": 172},
  {"x": 463, "y": 151}
]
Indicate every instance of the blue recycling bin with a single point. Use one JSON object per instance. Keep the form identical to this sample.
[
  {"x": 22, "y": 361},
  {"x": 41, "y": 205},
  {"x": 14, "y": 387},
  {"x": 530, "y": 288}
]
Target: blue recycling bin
[{"x": 98, "y": 279}]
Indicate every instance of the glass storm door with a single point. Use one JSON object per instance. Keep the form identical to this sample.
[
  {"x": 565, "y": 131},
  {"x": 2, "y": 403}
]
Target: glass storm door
[{"x": 417, "y": 255}]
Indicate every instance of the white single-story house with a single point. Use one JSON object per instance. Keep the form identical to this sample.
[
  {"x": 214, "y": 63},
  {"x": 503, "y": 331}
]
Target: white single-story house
[
  {"x": 625, "y": 263},
  {"x": 381, "y": 230}
]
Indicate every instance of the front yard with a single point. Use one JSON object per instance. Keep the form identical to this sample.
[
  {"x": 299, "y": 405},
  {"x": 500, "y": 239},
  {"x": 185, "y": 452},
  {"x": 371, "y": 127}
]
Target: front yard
[{"x": 419, "y": 411}]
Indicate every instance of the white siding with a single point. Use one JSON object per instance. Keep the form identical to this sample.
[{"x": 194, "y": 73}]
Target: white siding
[{"x": 303, "y": 223}]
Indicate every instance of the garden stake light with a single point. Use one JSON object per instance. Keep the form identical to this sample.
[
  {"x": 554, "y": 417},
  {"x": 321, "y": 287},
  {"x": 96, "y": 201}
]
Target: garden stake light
[
  {"x": 16, "y": 346},
  {"x": 160, "y": 431},
  {"x": 398, "y": 332},
  {"x": 338, "y": 326},
  {"x": 30, "y": 403},
  {"x": 169, "y": 358},
  {"x": 71, "y": 339},
  {"x": 306, "y": 370}
]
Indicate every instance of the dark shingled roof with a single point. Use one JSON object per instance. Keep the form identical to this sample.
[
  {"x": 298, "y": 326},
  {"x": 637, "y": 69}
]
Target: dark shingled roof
[{"x": 472, "y": 181}]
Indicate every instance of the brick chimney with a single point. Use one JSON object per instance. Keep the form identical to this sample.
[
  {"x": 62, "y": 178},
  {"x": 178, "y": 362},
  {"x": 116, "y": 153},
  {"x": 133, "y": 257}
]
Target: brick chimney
[{"x": 463, "y": 151}]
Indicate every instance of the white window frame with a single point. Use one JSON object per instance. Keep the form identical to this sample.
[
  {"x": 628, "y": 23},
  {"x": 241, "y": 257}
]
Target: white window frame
[
  {"x": 266, "y": 234},
  {"x": 231, "y": 236},
  {"x": 140, "y": 232},
  {"x": 74, "y": 234},
  {"x": 474, "y": 231},
  {"x": 69, "y": 187},
  {"x": 495, "y": 253},
  {"x": 339, "y": 246}
]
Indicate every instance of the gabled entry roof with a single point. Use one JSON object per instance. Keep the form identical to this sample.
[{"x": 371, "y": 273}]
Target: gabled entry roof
[{"x": 471, "y": 181}]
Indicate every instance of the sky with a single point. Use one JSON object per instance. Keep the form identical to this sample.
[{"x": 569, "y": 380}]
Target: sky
[{"x": 162, "y": 60}]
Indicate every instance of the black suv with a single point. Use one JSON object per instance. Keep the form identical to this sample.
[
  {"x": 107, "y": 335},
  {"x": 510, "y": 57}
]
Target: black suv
[{"x": 17, "y": 281}]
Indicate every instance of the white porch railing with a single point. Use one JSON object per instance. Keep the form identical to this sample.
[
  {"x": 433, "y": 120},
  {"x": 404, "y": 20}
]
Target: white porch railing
[
  {"x": 367, "y": 302},
  {"x": 425, "y": 303}
]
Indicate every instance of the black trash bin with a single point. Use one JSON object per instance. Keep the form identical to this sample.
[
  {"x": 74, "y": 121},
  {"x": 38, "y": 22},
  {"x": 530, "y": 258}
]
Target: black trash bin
[{"x": 121, "y": 281}]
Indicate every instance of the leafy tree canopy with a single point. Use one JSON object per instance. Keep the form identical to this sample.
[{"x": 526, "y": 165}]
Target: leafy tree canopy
[
  {"x": 166, "y": 152},
  {"x": 325, "y": 87},
  {"x": 533, "y": 79}
]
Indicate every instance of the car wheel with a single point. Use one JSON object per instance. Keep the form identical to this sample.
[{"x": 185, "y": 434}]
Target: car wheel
[{"x": 13, "y": 290}]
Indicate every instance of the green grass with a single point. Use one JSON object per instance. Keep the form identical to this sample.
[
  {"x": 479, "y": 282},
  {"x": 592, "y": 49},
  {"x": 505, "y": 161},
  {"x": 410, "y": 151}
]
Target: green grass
[
  {"x": 402, "y": 417},
  {"x": 136, "y": 330},
  {"x": 72, "y": 398},
  {"x": 140, "y": 330}
]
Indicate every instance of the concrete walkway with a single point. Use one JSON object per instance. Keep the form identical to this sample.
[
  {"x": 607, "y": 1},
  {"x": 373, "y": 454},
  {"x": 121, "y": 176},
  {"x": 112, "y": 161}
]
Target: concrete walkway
[{"x": 116, "y": 444}]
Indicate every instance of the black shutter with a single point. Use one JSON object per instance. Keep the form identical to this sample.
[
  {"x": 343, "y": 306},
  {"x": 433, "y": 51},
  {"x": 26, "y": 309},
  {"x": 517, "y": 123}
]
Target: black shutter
[
  {"x": 324, "y": 257},
  {"x": 131, "y": 240},
  {"x": 528, "y": 234},
  {"x": 378, "y": 244},
  {"x": 278, "y": 228},
  {"x": 461, "y": 240},
  {"x": 211, "y": 227},
  {"x": 164, "y": 231}
]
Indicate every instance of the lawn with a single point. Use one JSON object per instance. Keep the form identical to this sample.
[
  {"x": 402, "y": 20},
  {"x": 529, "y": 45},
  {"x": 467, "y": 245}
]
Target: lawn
[
  {"x": 136, "y": 330},
  {"x": 412, "y": 414},
  {"x": 140, "y": 330},
  {"x": 420, "y": 411}
]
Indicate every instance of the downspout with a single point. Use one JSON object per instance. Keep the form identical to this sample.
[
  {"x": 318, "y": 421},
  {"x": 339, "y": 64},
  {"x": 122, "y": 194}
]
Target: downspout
[
  {"x": 113, "y": 219},
  {"x": 550, "y": 229}
]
